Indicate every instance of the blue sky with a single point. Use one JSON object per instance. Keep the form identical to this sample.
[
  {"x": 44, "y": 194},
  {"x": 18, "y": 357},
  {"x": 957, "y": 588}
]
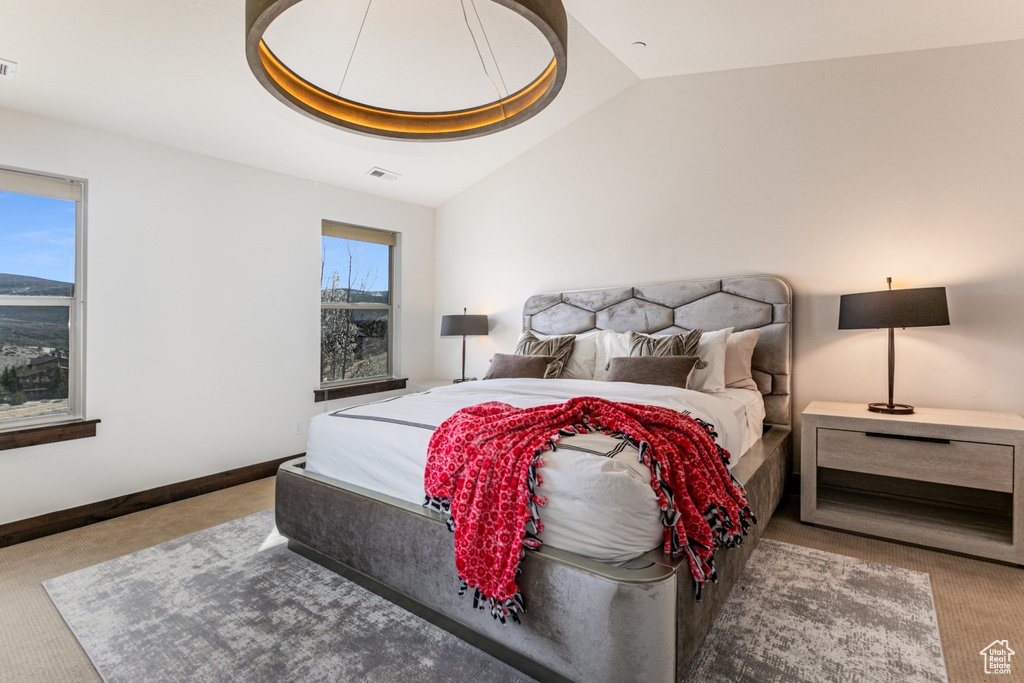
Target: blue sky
[
  {"x": 37, "y": 236},
  {"x": 370, "y": 263}
]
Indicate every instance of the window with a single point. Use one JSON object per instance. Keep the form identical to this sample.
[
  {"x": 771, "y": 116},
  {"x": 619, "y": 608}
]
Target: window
[
  {"x": 41, "y": 299},
  {"x": 357, "y": 320}
]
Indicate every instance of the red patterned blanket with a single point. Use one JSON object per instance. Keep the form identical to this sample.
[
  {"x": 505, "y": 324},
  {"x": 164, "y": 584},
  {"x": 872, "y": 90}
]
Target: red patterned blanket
[{"x": 482, "y": 468}]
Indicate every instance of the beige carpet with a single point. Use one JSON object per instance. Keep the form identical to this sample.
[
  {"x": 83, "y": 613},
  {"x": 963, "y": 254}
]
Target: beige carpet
[{"x": 977, "y": 602}]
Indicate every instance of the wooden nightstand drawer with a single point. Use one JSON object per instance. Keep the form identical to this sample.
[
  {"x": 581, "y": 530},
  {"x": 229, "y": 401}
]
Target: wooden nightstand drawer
[{"x": 957, "y": 463}]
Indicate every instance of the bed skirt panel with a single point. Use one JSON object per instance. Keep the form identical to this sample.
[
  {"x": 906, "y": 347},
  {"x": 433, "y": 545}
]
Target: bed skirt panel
[{"x": 566, "y": 605}]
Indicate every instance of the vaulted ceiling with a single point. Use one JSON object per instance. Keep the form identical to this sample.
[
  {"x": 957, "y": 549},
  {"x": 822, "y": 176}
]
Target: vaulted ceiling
[{"x": 174, "y": 72}]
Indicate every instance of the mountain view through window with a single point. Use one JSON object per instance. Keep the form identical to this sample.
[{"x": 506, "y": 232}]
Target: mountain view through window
[{"x": 37, "y": 273}]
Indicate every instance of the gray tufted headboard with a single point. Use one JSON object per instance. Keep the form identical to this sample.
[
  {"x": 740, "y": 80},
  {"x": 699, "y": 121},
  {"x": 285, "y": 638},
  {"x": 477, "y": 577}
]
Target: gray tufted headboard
[{"x": 744, "y": 303}]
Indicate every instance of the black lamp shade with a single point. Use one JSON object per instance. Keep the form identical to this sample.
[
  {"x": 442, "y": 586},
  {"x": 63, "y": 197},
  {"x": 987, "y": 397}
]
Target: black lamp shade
[
  {"x": 894, "y": 308},
  {"x": 459, "y": 325}
]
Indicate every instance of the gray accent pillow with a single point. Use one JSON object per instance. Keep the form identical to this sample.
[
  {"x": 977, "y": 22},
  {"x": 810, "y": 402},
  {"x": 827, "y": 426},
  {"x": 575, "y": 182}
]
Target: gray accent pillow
[
  {"x": 559, "y": 347},
  {"x": 668, "y": 371},
  {"x": 508, "y": 366},
  {"x": 683, "y": 344}
]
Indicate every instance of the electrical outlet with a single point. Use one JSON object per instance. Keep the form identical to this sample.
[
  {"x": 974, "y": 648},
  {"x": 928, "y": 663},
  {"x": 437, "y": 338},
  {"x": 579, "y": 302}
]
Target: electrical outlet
[
  {"x": 298, "y": 427},
  {"x": 8, "y": 69}
]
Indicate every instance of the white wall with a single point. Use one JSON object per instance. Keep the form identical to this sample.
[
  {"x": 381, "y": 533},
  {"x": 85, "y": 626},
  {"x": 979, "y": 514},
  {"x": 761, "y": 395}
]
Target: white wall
[
  {"x": 203, "y": 316},
  {"x": 832, "y": 174}
]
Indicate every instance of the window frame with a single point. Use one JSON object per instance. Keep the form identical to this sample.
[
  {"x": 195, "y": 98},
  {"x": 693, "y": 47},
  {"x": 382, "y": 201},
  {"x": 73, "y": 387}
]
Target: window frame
[
  {"x": 360, "y": 385},
  {"x": 37, "y": 183}
]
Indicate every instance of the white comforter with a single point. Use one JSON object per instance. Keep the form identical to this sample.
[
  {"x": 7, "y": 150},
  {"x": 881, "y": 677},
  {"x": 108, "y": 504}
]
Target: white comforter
[{"x": 598, "y": 506}]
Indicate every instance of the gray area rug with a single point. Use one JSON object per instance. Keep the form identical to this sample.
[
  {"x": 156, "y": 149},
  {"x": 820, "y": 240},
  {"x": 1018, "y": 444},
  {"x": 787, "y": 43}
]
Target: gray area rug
[
  {"x": 799, "y": 614},
  {"x": 231, "y": 603}
]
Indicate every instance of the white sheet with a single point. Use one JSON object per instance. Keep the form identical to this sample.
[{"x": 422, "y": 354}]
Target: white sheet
[{"x": 599, "y": 507}]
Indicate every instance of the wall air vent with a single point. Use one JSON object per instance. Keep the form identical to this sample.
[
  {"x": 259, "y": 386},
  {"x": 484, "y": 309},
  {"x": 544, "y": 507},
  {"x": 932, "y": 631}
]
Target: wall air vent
[
  {"x": 8, "y": 69},
  {"x": 376, "y": 172}
]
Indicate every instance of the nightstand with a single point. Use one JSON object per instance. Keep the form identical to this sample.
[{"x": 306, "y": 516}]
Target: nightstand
[{"x": 946, "y": 479}]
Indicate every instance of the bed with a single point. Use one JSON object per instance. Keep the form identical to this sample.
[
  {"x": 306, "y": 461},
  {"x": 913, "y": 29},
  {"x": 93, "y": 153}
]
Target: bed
[{"x": 631, "y": 615}]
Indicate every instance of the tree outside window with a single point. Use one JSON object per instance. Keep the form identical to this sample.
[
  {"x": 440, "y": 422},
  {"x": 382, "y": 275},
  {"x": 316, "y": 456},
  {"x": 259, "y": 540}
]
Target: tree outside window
[{"x": 356, "y": 306}]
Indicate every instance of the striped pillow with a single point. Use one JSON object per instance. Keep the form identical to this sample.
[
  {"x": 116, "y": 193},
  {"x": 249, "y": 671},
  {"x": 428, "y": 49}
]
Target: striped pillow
[
  {"x": 559, "y": 347},
  {"x": 683, "y": 344}
]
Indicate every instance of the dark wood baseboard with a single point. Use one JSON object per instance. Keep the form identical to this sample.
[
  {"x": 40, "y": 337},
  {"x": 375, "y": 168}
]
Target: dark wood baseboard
[{"x": 63, "y": 520}]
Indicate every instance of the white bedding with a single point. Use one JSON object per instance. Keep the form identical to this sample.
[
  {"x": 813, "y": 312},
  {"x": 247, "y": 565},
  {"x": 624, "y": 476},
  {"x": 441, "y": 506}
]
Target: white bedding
[{"x": 599, "y": 507}]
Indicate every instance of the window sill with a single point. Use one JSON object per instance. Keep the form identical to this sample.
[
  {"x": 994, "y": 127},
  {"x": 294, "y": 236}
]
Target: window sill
[
  {"x": 350, "y": 390},
  {"x": 51, "y": 433}
]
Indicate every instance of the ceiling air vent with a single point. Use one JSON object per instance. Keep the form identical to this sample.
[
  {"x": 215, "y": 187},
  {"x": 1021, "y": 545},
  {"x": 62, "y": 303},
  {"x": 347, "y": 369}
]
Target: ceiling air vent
[
  {"x": 8, "y": 69},
  {"x": 376, "y": 172}
]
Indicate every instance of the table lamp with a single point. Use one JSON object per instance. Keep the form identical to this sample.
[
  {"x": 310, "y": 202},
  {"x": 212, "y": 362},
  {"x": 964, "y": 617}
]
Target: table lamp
[
  {"x": 463, "y": 325},
  {"x": 893, "y": 308}
]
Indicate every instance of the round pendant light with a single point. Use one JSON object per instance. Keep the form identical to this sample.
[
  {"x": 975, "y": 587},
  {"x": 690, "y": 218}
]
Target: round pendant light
[{"x": 546, "y": 16}]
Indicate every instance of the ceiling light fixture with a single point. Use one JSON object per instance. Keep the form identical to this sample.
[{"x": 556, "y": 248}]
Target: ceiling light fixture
[{"x": 547, "y": 16}]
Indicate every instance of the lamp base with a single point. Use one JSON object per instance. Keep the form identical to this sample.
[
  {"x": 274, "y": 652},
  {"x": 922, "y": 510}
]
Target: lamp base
[
  {"x": 891, "y": 408},
  {"x": 464, "y": 379}
]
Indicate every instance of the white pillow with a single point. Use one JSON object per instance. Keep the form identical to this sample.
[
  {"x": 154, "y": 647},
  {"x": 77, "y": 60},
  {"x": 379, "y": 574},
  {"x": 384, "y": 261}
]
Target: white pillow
[
  {"x": 609, "y": 345},
  {"x": 739, "y": 351},
  {"x": 583, "y": 358},
  {"x": 712, "y": 351}
]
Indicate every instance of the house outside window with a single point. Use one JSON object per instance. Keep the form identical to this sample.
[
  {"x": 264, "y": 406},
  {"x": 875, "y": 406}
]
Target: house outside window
[
  {"x": 42, "y": 316},
  {"x": 357, "y": 304}
]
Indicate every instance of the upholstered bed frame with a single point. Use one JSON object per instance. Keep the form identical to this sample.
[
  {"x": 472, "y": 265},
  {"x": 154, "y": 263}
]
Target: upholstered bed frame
[{"x": 586, "y": 621}]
